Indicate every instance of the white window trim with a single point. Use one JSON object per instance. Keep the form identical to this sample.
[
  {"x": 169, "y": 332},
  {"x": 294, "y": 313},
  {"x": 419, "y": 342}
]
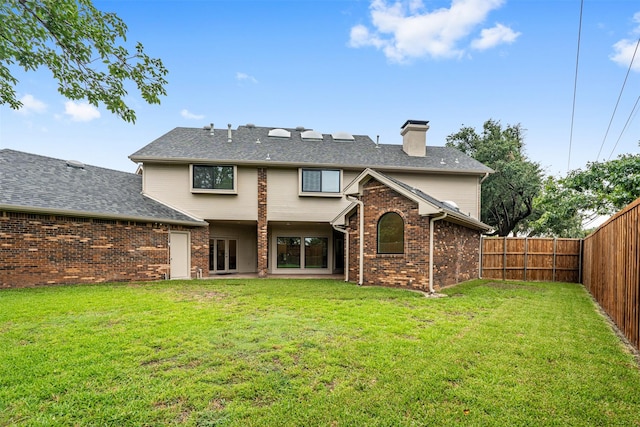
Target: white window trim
[
  {"x": 318, "y": 193},
  {"x": 234, "y": 190}
]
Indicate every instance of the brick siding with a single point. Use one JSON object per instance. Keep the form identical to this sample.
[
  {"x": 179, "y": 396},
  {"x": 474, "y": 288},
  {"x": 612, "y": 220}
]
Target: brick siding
[
  {"x": 48, "y": 249},
  {"x": 456, "y": 248}
]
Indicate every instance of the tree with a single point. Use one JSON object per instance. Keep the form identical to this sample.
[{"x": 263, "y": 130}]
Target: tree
[
  {"x": 565, "y": 204},
  {"x": 81, "y": 46},
  {"x": 607, "y": 186},
  {"x": 556, "y": 212},
  {"x": 508, "y": 193}
]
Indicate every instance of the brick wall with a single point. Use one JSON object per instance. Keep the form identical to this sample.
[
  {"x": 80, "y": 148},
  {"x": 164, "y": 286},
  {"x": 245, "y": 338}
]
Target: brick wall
[
  {"x": 48, "y": 249},
  {"x": 455, "y": 253},
  {"x": 263, "y": 238}
]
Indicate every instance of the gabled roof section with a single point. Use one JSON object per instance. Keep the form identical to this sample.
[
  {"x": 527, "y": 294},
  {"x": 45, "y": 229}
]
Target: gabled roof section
[
  {"x": 39, "y": 184},
  {"x": 427, "y": 205},
  {"x": 252, "y": 145}
]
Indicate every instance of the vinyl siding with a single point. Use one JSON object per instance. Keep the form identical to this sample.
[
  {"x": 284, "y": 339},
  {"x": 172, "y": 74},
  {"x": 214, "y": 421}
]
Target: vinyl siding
[
  {"x": 170, "y": 184},
  {"x": 285, "y": 204},
  {"x": 461, "y": 189}
]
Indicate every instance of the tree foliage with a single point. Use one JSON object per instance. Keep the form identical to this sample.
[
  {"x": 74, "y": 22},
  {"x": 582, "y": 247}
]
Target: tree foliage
[
  {"x": 81, "y": 46},
  {"x": 508, "y": 193},
  {"x": 601, "y": 188}
]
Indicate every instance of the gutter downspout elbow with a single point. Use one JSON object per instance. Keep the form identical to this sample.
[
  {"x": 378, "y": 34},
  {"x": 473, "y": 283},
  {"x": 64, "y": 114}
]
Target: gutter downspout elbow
[
  {"x": 431, "y": 228},
  {"x": 346, "y": 250},
  {"x": 486, "y": 175},
  {"x": 361, "y": 242}
]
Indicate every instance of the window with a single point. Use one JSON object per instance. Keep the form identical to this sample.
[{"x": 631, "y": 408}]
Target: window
[
  {"x": 390, "y": 234},
  {"x": 315, "y": 252},
  {"x": 320, "y": 181},
  {"x": 288, "y": 252},
  {"x": 302, "y": 252},
  {"x": 213, "y": 178}
]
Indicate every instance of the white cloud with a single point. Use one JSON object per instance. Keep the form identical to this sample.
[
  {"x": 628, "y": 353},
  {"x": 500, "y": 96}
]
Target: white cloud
[
  {"x": 81, "y": 111},
  {"x": 189, "y": 115},
  {"x": 31, "y": 105},
  {"x": 492, "y": 37},
  {"x": 404, "y": 30},
  {"x": 241, "y": 77},
  {"x": 623, "y": 50}
]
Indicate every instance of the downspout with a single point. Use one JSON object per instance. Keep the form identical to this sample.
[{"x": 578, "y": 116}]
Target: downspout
[
  {"x": 346, "y": 250},
  {"x": 361, "y": 243},
  {"x": 431, "y": 228}
]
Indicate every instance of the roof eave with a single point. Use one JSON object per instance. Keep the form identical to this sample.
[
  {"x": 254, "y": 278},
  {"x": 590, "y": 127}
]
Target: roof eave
[
  {"x": 100, "y": 215},
  {"x": 274, "y": 163}
]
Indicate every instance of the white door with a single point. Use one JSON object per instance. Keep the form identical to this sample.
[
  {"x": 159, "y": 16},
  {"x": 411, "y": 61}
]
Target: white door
[{"x": 179, "y": 253}]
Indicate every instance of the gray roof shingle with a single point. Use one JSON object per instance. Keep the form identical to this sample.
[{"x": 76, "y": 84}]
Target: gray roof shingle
[
  {"x": 196, "y": 144},
  {"x": 37, "y": 183}
]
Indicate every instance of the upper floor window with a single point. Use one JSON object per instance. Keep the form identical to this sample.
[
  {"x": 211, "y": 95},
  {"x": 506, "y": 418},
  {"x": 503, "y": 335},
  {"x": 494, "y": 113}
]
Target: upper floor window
[
  {"x": 390, "y": 234},
  {"x": 320, "y": 181},
  {"x": 213, "y": 179}
]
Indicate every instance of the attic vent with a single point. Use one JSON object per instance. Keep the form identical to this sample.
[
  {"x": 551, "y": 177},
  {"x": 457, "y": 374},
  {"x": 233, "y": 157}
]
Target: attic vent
[
  {"x": 75, "y": 164},
  {"x": 342, "y": 136},
  {"x": 311, "y": 134},
  {"x": 280, "y": 133}
]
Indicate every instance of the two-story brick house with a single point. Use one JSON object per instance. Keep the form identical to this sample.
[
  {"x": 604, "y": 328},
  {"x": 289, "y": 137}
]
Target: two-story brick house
[{"x": 275, "y": 201}]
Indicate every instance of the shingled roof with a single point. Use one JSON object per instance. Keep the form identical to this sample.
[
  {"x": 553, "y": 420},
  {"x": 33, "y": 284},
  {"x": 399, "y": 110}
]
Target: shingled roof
[
  {"x": 252, "y": 145},
  {"x": 33, "y": 183}
]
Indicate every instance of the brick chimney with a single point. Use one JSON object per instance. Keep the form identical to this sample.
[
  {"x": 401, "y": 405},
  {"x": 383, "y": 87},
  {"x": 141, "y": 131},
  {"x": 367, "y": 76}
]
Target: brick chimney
[{"x": 414, "y": 137}]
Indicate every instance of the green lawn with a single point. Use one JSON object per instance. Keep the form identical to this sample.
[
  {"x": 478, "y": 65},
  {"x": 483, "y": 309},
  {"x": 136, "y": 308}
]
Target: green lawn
[{"x": 232, "y": 352}]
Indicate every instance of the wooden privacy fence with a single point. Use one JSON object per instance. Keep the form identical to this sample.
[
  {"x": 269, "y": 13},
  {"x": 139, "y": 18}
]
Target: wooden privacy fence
[
  {"x": 538, "y": 259},
  {"x": 611, "y": 269}
]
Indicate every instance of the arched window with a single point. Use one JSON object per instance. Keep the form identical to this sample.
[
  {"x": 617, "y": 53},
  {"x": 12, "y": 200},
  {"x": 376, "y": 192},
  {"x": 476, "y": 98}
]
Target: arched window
[{"x": 390, "y": 234}]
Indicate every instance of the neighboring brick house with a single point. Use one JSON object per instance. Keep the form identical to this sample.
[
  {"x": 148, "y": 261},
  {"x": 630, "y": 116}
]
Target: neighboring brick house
[
  {"x": 66, "y": 222},
  {"x": 269, "y": 196}
]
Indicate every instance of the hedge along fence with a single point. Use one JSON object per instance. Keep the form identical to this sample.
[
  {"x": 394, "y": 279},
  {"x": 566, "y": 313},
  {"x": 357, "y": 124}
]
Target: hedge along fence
[
  {"x": 537, "y": 259},
  {"x": 612, "y": 269}
]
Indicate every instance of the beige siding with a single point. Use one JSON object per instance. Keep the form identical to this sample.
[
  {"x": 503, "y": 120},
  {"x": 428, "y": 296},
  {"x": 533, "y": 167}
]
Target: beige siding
[
  {"x": 285, "y": 204},
  {"x": 461, "y": 189},
  {"x": 170, "y": 184}
]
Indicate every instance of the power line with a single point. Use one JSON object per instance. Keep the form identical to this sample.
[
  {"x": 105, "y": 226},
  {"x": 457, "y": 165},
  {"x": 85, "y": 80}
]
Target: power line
[
  {"x": 619, "y": 96},
  {"x": 631, "y": 115},
  {"x": 575, "y": 86}
]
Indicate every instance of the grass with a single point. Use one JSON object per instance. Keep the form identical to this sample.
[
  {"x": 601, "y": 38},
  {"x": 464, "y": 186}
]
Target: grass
[{"x": 233, "y": 352}]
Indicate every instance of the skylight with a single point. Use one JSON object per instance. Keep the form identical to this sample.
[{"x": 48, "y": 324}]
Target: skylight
[
  {"x": 311, "y": 134},
  {"x": 280, "y": 133},
  {"x": 342, "y": 136}
]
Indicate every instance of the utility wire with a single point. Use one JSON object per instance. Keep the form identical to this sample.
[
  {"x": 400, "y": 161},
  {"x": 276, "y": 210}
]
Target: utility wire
[
  {"x": 619, "y": 96},
  {"x": 575, "y": 86},
  {"x": 631, "y": 115}
]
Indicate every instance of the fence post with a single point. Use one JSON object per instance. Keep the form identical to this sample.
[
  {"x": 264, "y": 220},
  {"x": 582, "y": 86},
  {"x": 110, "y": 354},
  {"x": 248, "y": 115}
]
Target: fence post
[
  {"x": 504, "y": 260},
  {"x": 555, "y": 250},
  {"x": 526, "y": 255}
]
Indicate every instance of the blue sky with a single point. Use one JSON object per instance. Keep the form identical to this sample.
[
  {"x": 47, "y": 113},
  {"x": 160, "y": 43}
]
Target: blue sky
[{"x": 364, "y": 67}]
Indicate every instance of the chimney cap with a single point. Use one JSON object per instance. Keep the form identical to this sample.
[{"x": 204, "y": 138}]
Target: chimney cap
[{"x": 415, "y": 122}]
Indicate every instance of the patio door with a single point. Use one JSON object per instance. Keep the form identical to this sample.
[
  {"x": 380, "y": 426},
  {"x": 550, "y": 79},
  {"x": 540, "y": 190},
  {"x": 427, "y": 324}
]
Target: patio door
[{"x": 223, "y": 255}]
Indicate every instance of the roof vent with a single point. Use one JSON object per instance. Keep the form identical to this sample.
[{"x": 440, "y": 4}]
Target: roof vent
[
  {"x": 75, "y": 164},
  {"x": 300, "y": 128},
  {"x": 311, "y": 134},
  {"x": 451, "y": 203},
  {"x": 280, "y": 133},
  {"x": 250, "y": 125},
  {"x": 342, "y": 136}
]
